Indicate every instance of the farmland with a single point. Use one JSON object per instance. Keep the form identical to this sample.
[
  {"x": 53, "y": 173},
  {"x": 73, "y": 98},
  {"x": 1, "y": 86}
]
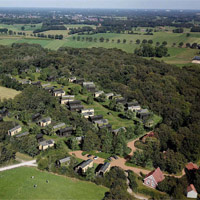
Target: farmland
[
  {"x": 59, "y": 187},
  {"x": 7, "y": 93}
]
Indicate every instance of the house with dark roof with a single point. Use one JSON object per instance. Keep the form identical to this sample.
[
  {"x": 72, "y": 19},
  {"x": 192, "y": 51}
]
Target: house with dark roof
[
  {"x": 36, "y": 83},
  {"x": 65, "y": 132},
  {"x": 46, "y": 144},
  {"x": 79, "y": 81},
  {"x": 143, "y": 114},
  {"x": 107, "y": 126},
  {"x": 153, "y": 178},
  {"x": 22, "y": 134},
  {"x": 44, "y": 122},
  {"x": 95, "y": 118},
  {"x": 64, "y": 161},
  {"x": 83, "y": 167},
  {"x": 192, "y": 192},
  {"x": 67, "y": 98},
  {"x": 58, "y": 92},
  {"x": 39, "y": 137},
  {"x": 109, "y": 95},
  {"x": 76, "y": 108},
  {"x": 103, "y": 169},
  {"x": 59, "y": 126},
  {"x": 87, "y": 112},
  {"x": 196, "y": 60},
  {"x": 72, "y": 79},
  {"x": 36, "y": 117},
  {"x": 100, "y": 122},
  {"x": 121, "y": 100},
  {"x": 14, "y": 130}
]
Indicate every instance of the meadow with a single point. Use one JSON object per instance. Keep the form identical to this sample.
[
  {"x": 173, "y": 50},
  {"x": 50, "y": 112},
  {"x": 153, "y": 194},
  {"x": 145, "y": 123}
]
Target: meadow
[
  {"x": 18, "y": 184},
  {"x": 6, "y": 93}
]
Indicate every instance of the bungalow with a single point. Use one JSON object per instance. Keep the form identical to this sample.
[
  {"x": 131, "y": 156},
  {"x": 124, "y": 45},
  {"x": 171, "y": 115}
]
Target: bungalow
[
  {"x": 101, "y": 122},
  {"x": 49, "y": 89},
  {"x": 74, "y": 103},
  {"x": 76, "y": 108},
  {"x": 44, "y": 122},
  {"x": 87, "y": 114},
  {"x": 14, "y": 130},
  {"x": 72, "y": 79},
  {"x": 22, "y": 134},
  {"x": 58, "y": 93},
  {"x": 143, "y": 114},
  {"x": 79, "y": 81},
  {"x": 196, "y": 60},
  {"x": 59, "y": 126},
  {"x": 107, "y": 126},
  {"x": 39, "y": 137},
  {"x": 83, "y": 167},
  {"x": 66, "y": 99},
  {"x": 36, "y": 83},
  {"x": 109, "y": 95},
  {"x": 121, "y": 100},
  {"x": 36, "y": 117},
  {"x": 104, "y": 168},
  {"x": 46, "y": 144},
  {"x": 97, "y": 94},
  {"x": 46, "y": 85},
  {"x": 191, "y": 192},
  {"x": 25, "y": 82},
  {"x": 64, "y": 161},
  {"x": 95, "y": 118},
  {"x": 153, "y": 178},
  {"x": 65, "y": 132},
  {"x": 87, "y": 110}
]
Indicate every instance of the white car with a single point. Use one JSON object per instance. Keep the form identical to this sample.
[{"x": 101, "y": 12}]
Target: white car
[{"x": 96, "y": 157}]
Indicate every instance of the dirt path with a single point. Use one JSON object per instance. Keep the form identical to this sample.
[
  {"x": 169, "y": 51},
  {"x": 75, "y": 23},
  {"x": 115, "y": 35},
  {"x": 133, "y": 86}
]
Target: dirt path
[{"x": 27, "y": 163}]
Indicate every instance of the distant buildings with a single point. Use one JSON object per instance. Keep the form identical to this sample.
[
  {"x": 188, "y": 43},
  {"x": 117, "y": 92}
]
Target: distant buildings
[{"x": 15, "y": 130}]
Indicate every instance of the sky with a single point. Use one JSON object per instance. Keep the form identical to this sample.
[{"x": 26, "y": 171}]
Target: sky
[{"x": 134, "y": 4}]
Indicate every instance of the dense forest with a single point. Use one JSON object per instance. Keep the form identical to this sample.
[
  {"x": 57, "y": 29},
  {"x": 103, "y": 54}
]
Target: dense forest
[{"x": 168, "y": 91}]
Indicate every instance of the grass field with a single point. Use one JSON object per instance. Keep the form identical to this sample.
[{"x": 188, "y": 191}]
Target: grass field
[
  {"x": 18, "y": 184},
  {"x": 6, "y": 93}
]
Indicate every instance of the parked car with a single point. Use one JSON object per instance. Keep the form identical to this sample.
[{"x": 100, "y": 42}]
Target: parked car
[
  {"x": 110, "y": 159},
  {"x": 96, "y": 157},
  {"x": 115, "y": 157},
  {"x": 89, "y": 156}
]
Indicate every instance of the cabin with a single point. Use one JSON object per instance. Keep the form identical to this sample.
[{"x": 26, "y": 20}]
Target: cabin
[
  {"x": 67, "y": 98},
  {"x": 153, "y": 178},
  {"x": 72, "y": 79},
  {"x": 46, "y": 85},
  {"x": 39, "y": 137},
  {"x": 90, "y": 86},
  {"x": 83, "y": 167},
  {"x": 109, "y": 95},
  {"x": 63, "y": 162},
  {"x": 36, "y": 83},
  {"x": 22, "y": 134},
  {"x": 107, "y": 126},
  {"x": 87, "y": 112},
  {"x": 44, "y": 122},
  {"x": 15, "y": 130},
  {"x": 74, "y": 103},
  {"x": 58, "y": 93},
  {"x": 143, "y": 114},
  {"x": 49, "y": 89},
  {"x": 79, "y": 81},
  {"x": 133, "y": 106},
  {"x": 196, "y": 60},
  {"x": 76, "y": 108},
  {"x": 59, "y": 126},
  {"x": 95, "y": 118},
  {"x": 191, "y": 192},
  {"x": 116, "y": 131},
  {"x": 103, "y": 169},
  {"x": 101, "y": 122},
  {"x": 97, "y": 94},
  {"x": 121, "y": 100},
  {"x": 46, "y": 144},
  {"x": 36, "y": 117},
  {"x": 25, "y": 82},
  {"x": 65, "y": 132}
]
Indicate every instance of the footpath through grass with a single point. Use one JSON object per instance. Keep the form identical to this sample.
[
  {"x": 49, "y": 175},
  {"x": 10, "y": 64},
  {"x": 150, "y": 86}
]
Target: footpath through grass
[{"x": 18, "y": 184}]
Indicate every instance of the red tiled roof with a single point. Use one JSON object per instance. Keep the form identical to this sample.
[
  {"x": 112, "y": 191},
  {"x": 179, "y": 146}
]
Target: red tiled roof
[
  {"x": 191, "y": 188},
  {"x": 157, "y": 174},
  {"x": 191, "y": 166}
]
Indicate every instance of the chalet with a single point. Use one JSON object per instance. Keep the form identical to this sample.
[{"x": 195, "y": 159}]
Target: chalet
[
  {"x": 49, "y": 89},
  {"x": 133, "y": 106},
  {"x": 46, "y": 85},
  {"x": 79, "y": 81},
  {"x": 25, "y": 82},
  {"x": 45, "y": 122},
  {"x": 90, "y": 86},
  {"x": 101, "y": 122},
  {"x": 104, "y": 168},
  {"x": 191, "y": 167},
  {"x": 15, "y": 130},
  {"x": 87, "y": 114},
  {"x": 116, "y": 131},
  {"x": 76, "y": 108},
  {"x": 66, "y": 99},
  {"x": 121, "y": 100},
  {"x": 97, "y": 94},
  {"x": 87, "y": 110},
  {"x": 83, "y": 167},
  {"x": 36, "y": 117},
  {"x": 109, "y": 95},
  {"x": 74, "y": 103},
  {"x": 22, "y": 134},
  {"x": 72, "y": 79},
  {"x": 65, "y": 132},
  {"x": 153, "y": 178},
  {"x": 64, "y": 161},
  {"x": 143, "y": 114},
  {"x": 58, "y": 93},
  {"x": 46, "y": 144},
  {"x": 107, "y": 126},
  {"x": 59, "y": 126},
  {"x": 37, "y": 83},
  {"x": 191, "y": 192},
  {"x": 196, "y": 60},
  {"x": 39, "y": 137},
  {"x": 95, "y": 118}
]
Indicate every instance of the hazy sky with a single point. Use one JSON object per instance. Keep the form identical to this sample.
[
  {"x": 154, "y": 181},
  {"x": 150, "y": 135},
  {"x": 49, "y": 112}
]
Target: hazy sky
[{"x": 146, "y": 4}]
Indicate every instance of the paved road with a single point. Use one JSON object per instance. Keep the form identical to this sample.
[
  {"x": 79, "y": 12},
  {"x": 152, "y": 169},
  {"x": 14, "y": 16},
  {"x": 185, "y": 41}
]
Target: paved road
[{"x": 26, "y": 163}]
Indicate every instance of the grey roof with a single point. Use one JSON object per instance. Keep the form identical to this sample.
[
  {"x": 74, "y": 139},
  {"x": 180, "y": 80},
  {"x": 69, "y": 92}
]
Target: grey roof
[
  {"x": 196, "y": 58},
  {"x": 143, "y": 111},
  {"x": 74, "y": 102},
  {"x": 58, "y": 125},
  {"x": 79, "y": 138},
  {"x": 46, "y": 142},
  {"x": 45, "y": 85},
  {"x": 88, "y": 114},
  {"x": 104, "y": 167},
  {"x": 66, "y": 129},
  {"x": 45, "y": 119},
  {"x": 119, "y": 129},
  {"x": 101, "y": 121},
  {"x": 65, "y": 160},
  {"x": 68, "y": 97},
  {"x": 59, "y": 91},
  {"x": 22, "y": 134},
  {"x": 85, "y": 163},
  {"x": 96, "y": 117},
  {"x": 15, "y": 128}
]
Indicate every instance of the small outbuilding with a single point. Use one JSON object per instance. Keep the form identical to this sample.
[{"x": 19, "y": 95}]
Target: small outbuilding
[{"x": 191, "y": 192}]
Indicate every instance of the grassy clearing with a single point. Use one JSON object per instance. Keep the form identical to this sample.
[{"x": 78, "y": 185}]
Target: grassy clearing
[
  {"x": 21, "y": 156},
  {"x": 6, "y": 93},
  {"x": 59, "y": 187}
]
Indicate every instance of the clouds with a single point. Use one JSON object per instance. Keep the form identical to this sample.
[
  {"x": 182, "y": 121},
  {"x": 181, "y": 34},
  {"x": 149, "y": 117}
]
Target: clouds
[{"x": 141, "y": 4}]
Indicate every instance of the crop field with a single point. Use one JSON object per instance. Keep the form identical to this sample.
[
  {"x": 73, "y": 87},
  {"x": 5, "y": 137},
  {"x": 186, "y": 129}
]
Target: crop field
[
  {"x": 6, "y": 93},
  {"x": 18, "y": 184}
]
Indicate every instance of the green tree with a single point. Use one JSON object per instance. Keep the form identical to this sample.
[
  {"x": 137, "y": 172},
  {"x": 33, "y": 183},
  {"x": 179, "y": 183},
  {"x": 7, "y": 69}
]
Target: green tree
[
  {"x": 90, "y": 100},
  {"x": 119, "y": 107}
]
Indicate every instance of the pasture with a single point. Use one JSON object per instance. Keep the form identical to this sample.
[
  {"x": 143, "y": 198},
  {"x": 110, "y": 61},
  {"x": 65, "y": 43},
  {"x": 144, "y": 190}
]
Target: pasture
[
  {"x": 18, "y": 184},
  {"x": 6, "y": 93}
]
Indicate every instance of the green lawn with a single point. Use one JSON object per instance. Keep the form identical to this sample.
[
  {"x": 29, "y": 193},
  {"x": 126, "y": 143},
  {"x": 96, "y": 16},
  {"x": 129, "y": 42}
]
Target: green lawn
[
  {"x": 7, "y": 93},
  {"x": 18, "y": 184}
]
